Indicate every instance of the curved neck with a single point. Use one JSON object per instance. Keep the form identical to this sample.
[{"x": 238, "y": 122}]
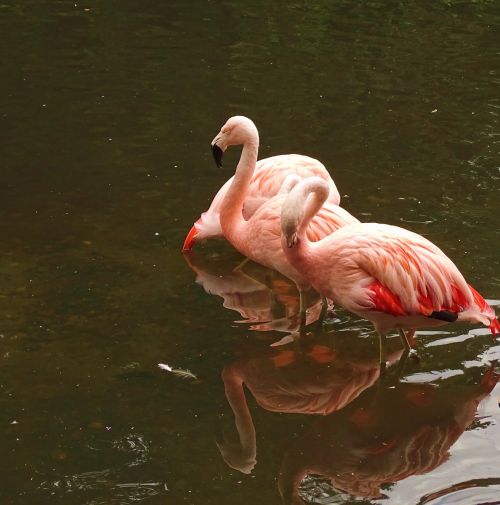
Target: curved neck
[
  {"x": 241, "y": 456},
  {"x": 301, "y": 205},
  {"x": 232, "y": 205},
  {"x": 311, "y": 196}
]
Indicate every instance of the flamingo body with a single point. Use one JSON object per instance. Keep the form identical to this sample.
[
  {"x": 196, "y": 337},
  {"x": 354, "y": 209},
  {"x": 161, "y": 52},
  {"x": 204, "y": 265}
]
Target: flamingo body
[
  {"x": 268, "y": 177},
  {"x": 386, "y": 274},
  {"x": 259, "y": 238}
]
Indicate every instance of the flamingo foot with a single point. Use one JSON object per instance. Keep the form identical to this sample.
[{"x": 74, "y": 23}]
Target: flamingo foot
[{"x": 413, "y": 355}]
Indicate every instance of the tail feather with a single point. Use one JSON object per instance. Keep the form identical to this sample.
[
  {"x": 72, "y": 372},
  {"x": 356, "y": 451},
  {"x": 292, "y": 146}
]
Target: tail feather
[
  {"x": 486, "y": 312},
  {"x": 482, "y": 303},
  {"x": 494, "y": 327}
]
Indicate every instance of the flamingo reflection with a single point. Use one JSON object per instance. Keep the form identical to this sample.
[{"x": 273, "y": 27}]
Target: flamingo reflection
[
  {"x": 381, "y": 438},
  {"x": 261, "y": 296},
  {"x": 313, "y": 379}
]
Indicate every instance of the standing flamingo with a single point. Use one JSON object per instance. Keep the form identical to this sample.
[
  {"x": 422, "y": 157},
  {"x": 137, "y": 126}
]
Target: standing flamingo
[
  {"x": 265, "y": 183},
  {"x": 259, "y": 237},
  {"x": 386, "y": 274}
]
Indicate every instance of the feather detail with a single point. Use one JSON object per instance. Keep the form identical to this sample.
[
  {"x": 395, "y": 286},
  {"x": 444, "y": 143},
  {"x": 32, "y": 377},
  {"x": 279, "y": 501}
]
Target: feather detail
[
  {"x": 494, "y": 327},
  {"x": 179, "y": 372},
  {"x": 384, "y": 300}
]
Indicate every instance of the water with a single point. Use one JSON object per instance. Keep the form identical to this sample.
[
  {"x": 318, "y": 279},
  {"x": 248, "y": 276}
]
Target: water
[{"x": 107, "y": 111}]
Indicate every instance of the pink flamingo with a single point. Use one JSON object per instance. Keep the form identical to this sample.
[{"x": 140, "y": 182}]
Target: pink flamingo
[
  {"x": 386, "y": 274},
  {"x": 265, "y": 183},
  {"x": 259, "y": 237}
]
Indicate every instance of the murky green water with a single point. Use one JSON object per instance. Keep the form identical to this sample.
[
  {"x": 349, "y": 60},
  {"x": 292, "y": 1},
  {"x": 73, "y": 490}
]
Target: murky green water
[{"x": 107, "y": 110}]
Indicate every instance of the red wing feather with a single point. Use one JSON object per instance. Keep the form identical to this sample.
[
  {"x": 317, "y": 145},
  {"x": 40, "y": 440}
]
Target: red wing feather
[{"x": 386, "y": 301}]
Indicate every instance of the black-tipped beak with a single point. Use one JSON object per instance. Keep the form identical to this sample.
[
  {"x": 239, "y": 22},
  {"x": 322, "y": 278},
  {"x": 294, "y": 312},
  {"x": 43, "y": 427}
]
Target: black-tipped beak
[{"x": 217, "y": 152}]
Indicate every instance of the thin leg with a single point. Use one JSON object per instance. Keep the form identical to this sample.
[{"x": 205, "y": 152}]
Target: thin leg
[
  {"x": 324, "y": 308},
  {"x": 241, "y": 265},
  {"x": 401, "y": 365},
  {"x": 393, "y": 379},
  {"x": 382, "y": 355},
  {"x": 302, "y": 308},
  {"x": 406, "y": 342},
  {"x": 404, "y": 339}
]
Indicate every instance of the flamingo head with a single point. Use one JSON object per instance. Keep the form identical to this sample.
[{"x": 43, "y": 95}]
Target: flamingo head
[
  {"x": 292, "y": 214},
  {"x": 236, "y": 131},
  {"x": 290, "y": 221},
  {"x": 301, "y": 204}
]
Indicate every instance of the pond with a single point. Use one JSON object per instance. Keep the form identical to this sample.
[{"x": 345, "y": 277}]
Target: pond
[{"x": 107, "y": 111}]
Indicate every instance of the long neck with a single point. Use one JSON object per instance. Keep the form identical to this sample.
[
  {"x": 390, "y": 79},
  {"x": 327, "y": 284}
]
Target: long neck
[
  {"x": 240, "y": 456},
  {"x": 301, "y": 205},
  {"x": 232, "y": 205},
  {"x": 311, "y": 196}
]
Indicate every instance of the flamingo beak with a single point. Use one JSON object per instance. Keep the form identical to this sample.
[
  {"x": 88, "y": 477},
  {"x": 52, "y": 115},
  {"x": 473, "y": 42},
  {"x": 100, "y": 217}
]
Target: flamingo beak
[
  {"x": 217, "y": 152},
  {"x": 190, "y": 239},
  {"x": 291, "y": 240}
]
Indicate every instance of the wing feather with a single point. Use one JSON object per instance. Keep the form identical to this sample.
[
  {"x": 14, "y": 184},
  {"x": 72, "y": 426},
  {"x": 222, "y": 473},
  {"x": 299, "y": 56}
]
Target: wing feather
[{"x": 410, "y": 274}]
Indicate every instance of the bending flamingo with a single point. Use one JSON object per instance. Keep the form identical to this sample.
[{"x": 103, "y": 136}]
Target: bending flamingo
[
  {"x": 386, "y": 274},
  {"x": 259, "y": 237},
  {"x": 265, "y": 183}
]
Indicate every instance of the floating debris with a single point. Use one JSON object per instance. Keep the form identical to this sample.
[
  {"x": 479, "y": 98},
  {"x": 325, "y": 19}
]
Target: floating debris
[{"x": 180, "y": 372}]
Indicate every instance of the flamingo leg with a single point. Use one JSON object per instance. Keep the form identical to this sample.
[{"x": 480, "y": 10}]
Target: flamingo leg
[
  {"x": 241, "y": 265},
  {"x": 404, "y": 339},
  {"x": 382, "y": 353},
  {"x": 322, "y": 314},
  {"x": 325, "y": 310},
  {"x": 401, "y": 365},
  {"x": 406, "y": 342},
  {"x": 302, "y": 308}
]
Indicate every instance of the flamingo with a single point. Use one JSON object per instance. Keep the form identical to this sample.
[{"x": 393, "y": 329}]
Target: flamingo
[
  {"x": 259, "y": 237},
  {"x": 265, "y": 183},
  {"x": 393, "y": 277}
]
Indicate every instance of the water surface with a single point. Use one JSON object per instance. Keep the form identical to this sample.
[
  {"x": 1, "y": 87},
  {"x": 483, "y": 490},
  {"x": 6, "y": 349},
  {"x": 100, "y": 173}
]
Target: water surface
[{"x": 107, "y": 111}]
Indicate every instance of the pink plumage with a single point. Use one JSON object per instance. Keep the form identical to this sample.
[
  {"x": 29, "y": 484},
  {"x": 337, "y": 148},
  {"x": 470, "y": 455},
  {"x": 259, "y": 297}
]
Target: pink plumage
[
  {"x": 259, "y": 236},
  {"x": 268, "y": 177},
  {"x": 386, "y": 274}
]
